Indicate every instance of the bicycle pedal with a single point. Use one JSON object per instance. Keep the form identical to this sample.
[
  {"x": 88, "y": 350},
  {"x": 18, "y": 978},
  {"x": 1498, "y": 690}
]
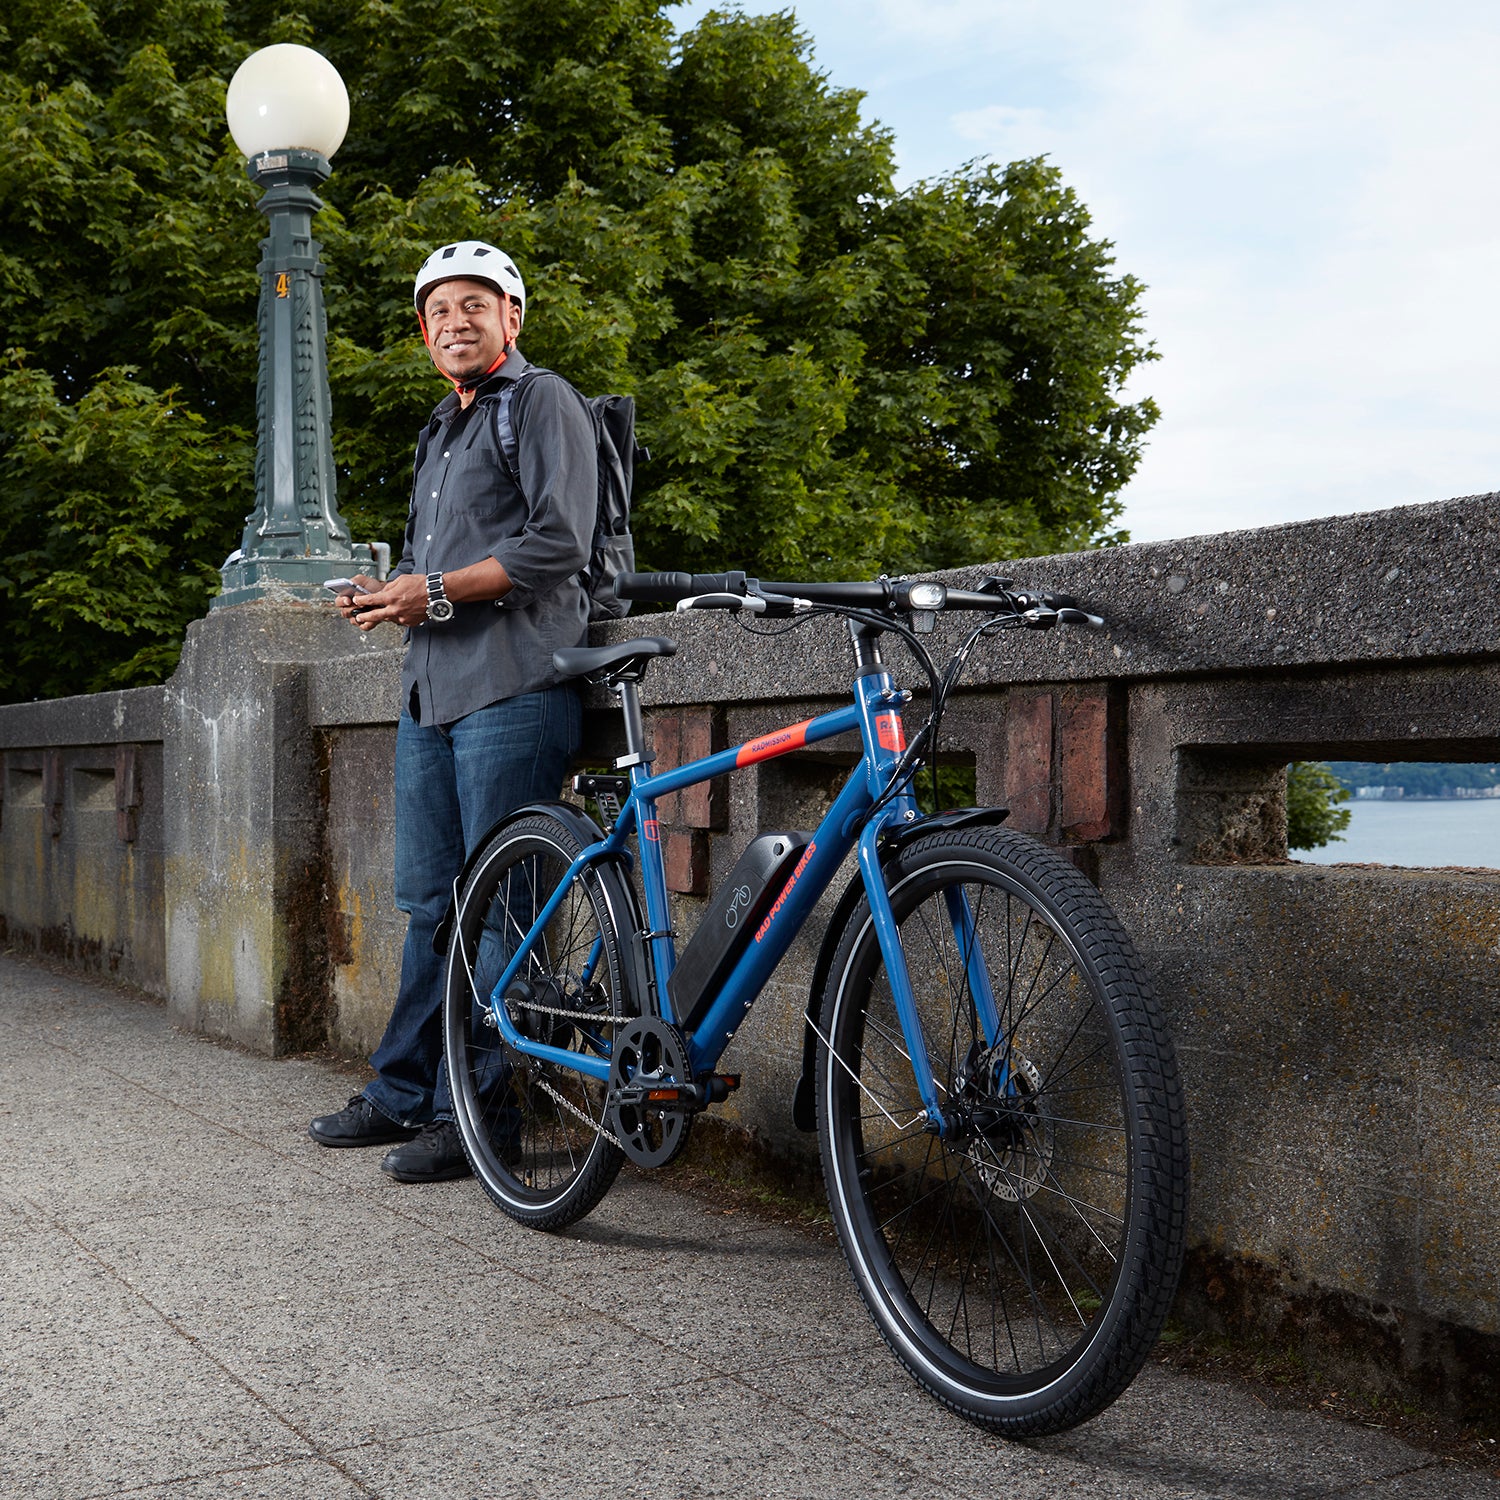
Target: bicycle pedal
[{"x": 721, "y": 1086}]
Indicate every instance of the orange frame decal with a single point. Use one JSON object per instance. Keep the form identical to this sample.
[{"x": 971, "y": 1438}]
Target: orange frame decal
[
  {"x": 890, "y": 732},
  {"x": 778, "y": 742}
]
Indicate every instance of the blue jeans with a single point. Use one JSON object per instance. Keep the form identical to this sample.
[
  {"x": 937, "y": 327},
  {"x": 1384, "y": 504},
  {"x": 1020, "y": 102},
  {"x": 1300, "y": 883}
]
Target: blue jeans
[{"x": 454, "y": 782}]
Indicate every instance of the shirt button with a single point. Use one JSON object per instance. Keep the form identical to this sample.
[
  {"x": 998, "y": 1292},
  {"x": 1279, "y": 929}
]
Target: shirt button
[
  {"x": 429, "y": 536},
  {"x": 434, "y": 494},
  {"x": 445, "y": 455}
]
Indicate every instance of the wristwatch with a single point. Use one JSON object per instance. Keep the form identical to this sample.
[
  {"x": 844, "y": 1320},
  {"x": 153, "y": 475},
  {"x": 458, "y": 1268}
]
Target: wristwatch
[{"x": 439, "y": 605}]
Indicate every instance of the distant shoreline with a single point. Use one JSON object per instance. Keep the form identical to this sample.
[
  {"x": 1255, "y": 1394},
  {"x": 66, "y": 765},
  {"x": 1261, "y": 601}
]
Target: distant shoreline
[
  {"x": 1457, "y": 796},
  {"x": 1418, "y": 781}
]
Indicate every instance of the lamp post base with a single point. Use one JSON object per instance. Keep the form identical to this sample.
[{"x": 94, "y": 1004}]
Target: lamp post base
[{"x": 249, "y": 578}]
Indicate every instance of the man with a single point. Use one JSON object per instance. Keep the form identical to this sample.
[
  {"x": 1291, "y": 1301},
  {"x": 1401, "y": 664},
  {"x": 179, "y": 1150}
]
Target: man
[{"x": 488, "y": 587}]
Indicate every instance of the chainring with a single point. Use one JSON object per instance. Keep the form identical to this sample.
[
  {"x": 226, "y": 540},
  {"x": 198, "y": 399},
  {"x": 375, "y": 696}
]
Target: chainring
[{"x": 648, "y": 1067}]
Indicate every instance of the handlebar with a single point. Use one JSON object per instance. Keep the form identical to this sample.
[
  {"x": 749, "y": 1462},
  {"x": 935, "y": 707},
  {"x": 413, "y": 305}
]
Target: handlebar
[
  {"x": 712, "y": 589},
  {"x": 668, "y": 588},
  {"x": 728, "y": 590}
]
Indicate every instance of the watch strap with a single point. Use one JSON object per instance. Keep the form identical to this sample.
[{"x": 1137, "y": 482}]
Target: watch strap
[{"x": 439, "y": 606}]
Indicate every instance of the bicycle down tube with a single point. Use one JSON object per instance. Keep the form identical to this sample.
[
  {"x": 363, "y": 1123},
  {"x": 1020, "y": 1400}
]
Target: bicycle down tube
[{"x": 876, "y": 714}]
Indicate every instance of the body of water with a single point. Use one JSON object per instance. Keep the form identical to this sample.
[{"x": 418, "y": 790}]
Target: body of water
[{"x": 1461, "y": 831}]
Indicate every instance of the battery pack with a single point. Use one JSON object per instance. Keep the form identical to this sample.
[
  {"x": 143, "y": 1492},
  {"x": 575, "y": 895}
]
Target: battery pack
[{"x": 730, "y": 922}]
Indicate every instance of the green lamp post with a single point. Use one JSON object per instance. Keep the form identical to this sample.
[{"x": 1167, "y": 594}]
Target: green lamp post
[{"x": 288, "y": 110}]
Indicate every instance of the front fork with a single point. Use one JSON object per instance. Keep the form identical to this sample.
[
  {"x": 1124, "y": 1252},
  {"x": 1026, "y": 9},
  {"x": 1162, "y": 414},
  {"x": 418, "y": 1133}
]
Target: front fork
[{"x": 888, "y": 934}]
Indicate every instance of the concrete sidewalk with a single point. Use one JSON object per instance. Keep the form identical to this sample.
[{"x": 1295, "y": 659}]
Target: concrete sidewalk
[{"x": 198, "y": 1301}]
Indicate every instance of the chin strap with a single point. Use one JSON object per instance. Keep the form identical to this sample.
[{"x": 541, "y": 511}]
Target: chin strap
[{"x": 463, "y": 386}]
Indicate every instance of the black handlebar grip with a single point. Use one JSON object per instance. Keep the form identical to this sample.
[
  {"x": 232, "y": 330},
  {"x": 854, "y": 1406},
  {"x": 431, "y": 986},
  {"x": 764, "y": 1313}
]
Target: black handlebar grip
[{"x": 667, "y": 588}]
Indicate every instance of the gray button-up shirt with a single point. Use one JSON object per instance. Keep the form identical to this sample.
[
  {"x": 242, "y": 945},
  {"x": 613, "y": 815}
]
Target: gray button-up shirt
[{"x": 465, "y": 507}]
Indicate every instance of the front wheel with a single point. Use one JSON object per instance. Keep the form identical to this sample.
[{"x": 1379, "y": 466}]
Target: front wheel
[
  {"x": 1022, "y": 1263},
  {"x": 535, "y": 1131}
]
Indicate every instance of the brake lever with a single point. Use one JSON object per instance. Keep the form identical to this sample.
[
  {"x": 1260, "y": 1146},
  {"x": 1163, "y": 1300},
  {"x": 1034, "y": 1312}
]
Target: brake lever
[
  {"x": 749, "y": 603},
  {"x": 1071, "y": 615},
  {"x": 784, "y": 604}
]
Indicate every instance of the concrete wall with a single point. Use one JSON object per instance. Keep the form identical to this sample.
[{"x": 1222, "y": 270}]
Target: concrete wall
[
  {"x": 81, "y": 837},
  {"x": 1337, "y": 1026}
]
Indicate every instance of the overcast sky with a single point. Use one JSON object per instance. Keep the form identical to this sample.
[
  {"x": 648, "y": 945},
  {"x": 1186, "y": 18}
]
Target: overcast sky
[{"x": 1308, "y": 189}]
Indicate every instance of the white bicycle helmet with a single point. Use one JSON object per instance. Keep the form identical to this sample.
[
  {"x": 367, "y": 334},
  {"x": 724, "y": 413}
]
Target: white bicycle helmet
[{"x": 475, "y": 261}]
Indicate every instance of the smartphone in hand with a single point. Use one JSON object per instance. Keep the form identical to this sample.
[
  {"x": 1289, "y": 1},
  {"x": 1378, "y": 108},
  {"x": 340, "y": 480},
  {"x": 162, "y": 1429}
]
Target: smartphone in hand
[{"x": 344, "y": 586}]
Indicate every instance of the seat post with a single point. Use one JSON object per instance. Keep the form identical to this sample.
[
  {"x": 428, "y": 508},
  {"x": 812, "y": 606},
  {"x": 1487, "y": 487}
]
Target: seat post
[{"x": 636, "y": 754}]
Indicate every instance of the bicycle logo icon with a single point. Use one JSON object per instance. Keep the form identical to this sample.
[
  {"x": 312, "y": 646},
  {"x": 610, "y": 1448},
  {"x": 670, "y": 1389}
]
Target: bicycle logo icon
[{"x": 740, "y": 904}]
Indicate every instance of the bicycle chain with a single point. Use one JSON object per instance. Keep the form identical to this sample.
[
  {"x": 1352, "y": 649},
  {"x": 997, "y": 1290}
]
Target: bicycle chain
[
  {"x": 556, "y": 1097},
  {"x": 573, "y": 1109},
  {"x": 603, "y": 1018}
]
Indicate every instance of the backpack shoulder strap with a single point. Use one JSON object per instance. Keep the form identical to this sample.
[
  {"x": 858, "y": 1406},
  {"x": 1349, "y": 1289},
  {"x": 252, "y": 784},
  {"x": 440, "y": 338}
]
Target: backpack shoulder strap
[
  {"x": 510, "y": 447},
  {"x": 424, "y": 438}
]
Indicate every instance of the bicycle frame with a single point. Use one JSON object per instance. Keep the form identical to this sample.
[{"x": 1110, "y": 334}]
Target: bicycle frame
[{"x": 876, "y": 714}]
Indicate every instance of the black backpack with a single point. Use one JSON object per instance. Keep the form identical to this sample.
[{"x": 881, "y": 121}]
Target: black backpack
[{"x": 613, "y": 551}]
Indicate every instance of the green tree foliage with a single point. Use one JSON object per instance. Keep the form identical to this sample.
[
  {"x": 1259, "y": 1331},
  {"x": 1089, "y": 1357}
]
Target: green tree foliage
[
  {"x": 833, "y": 377},
  {"x": 1313, "y": 815}
]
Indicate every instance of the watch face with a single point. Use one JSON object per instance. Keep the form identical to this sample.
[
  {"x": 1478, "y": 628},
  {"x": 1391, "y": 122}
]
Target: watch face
[{"x": 439, "y": 610}]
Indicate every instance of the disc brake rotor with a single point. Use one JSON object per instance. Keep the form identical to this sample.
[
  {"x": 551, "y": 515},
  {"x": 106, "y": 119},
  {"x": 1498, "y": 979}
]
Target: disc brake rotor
[{"x": 1013, "y": 1133}]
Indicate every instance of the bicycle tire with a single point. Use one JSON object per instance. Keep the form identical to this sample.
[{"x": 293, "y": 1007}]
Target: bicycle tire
[
  {"x": 532, "y": 1130},
  {"x": 1022, "y": 1267}
]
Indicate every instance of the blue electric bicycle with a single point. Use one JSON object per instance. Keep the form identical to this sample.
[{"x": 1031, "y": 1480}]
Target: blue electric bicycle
[{"x": 1000, "y": 1118}]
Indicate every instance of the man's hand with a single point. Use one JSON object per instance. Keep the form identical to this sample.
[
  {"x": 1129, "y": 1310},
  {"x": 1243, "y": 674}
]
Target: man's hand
[{"x": 401, "y": 600}]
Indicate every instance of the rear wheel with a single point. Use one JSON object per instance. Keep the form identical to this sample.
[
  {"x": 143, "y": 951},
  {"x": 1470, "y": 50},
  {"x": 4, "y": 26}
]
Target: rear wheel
[
  {"x": 1020, "y": 1265},
  {"x": 532, "y": 1129}
]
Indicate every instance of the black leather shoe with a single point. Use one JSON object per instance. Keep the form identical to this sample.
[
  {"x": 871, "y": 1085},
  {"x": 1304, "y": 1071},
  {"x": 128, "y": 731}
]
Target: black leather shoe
[
  {"x": 359, "y": 1123},
  {"x": 437, "y": 1155}
]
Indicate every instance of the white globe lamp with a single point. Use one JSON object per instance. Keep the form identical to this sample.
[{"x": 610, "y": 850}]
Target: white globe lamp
[{"x": 287, "y": 96}]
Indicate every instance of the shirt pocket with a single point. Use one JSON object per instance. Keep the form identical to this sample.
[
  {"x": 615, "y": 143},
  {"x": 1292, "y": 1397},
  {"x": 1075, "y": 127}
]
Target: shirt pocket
[{"x": 474, "y": 486}]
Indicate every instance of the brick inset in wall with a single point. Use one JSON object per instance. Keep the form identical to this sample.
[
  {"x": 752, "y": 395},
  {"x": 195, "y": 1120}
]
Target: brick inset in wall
[
  {"x": 1028, "y": 761},
  {"x": 1091, "y": 766},
  {"x": 685, "y": 861},
  {"x": 127, "y": 793},
  {"x": 688, "y": 815}
]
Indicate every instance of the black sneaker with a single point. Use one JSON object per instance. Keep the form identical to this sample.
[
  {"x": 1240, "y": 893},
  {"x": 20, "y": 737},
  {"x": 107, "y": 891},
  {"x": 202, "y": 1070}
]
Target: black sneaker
[
  {"x": 359, "y": 1123},
  {"x": 437, "y": 1155}
]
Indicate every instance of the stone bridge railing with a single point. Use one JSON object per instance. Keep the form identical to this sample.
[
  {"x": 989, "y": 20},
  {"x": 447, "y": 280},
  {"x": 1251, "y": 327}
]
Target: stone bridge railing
[{"x": 225, "y": 842}]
